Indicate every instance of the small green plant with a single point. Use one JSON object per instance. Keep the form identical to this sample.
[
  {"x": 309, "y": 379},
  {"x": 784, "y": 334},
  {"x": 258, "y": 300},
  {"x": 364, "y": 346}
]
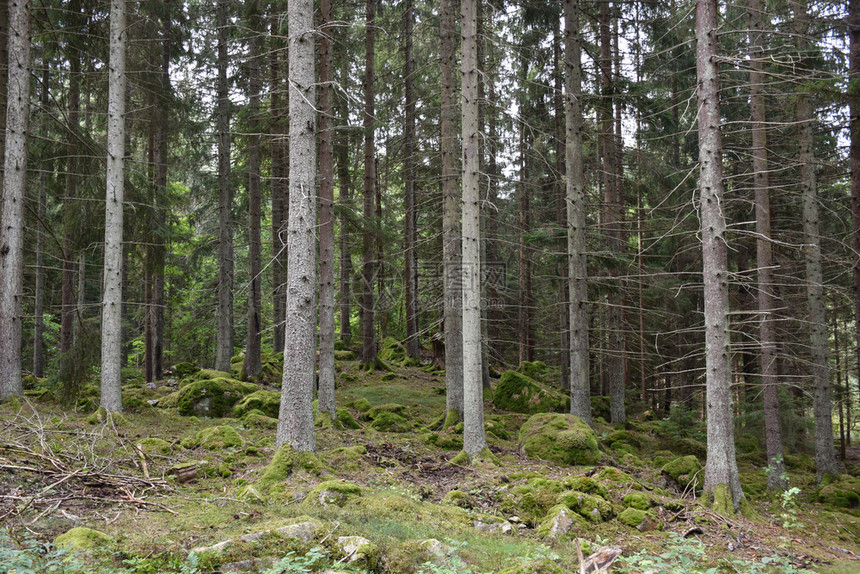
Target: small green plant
[
  {"x": 454, "y": 564},
  {"x": 789, "y": 506},
  {"x": 681, "y": 556},
  {"x": 770, "y": 469},
  {"x": 293, "y": 563}
]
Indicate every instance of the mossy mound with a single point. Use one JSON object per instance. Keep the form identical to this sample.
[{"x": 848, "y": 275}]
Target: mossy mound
[
  {"x": 457, "y": 498},
  {"x": 687, "y": 446},
  {"x": 344, "y": 355},
  {"x": 211, "y": 397},
  {"x": 349, "y": 458},
  {"x": 182, "y": 370},
  {"x": 560, "y": 521},
  {"x": 219, "y": 437},
  {"x": 685, "y": 471},
  {"x": 637, "y": 518},
  {"x": 267, "y": 402},
  {"x": 395, "y": 408},
  {"x": 520, "y": 394},
  {"x": 637, "y": 500},
  {"x": 843, "y": 492},
  {"x": 565, "y": 439},
  {"x": 257, "y": 419},
  {"x": 346, "y": 420},
  {"x": 392, "y": 351},
  {"x": 287, "y": 461},
  {"x": 587, "y": 485},
  {"x": 410, "y": 556},
  {"x": 155, "y": 446},
  {"x": 533, "y": 370},
  {"x": 332, "y": 493},
  {"x": 391, "y": 422},
  {"x": 590, "y": 506},
  {"x": 82, "y": 538},
  {"x": 362, "y": 405},
  {"x": 444, "y": 440},
  {"x": 622, "y": 436},
  {"x": 496, "y": 428}
]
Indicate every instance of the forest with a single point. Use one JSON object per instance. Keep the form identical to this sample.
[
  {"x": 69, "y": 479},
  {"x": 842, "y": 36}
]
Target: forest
[{"x": 396, "y": 286}]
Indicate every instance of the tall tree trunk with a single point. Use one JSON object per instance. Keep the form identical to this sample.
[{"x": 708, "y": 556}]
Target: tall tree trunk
[
  {"x": 474, "y": 437},
  {"x": 524, "y": 306},
  {"x": 225, "y": 202},
  {"x": 561, "y": 211},
  {"x": 825, "y": 455},
  {"x": 296, "y": 420},
  {"x": 39, "y": 295},
  {"x": 368, "y": 347},
  {"x": 326, "y": 191},
  {"x": 111, "y": 391},
  {"x": 722, "y": 482},
  {"x": 345, "y": 198},
  {"x": 764, "y": 248},
  {"x": 14, "y": 188},
  {"x": 253, "y": 345},
  {"x": 451, "y": 254},
  {"x": 410, "y": 255},
  {"x": 854, "y": 156},
  {"x": 280, "y": 187},
  {"x": 580, "y": 391}
]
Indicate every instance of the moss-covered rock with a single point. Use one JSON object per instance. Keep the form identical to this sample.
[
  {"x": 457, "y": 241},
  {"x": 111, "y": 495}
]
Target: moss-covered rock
[
  {"x": 637, "y": 500},
  {"x": 638, "y": 518},
  {"x": 559, "y": 521},
  {"x": 408, "y": 557},
  {"x": 392, "y": 351},
  {"x": 287, "y": 461},
  {"x": 82, "y": 538},
  {"x": 844, "y": 492},
  {"x": 155, "y": 446},
  {"x": 533, "y": 370},
  {"x": 211, "y": 397},
  {"x": 590, "y": 506},
  {"x": 362, "y": 405},
  {"x": 182, "y": 370},
  {"x": 565, "y": 439},
  {"x": 344, "y": 355},
  {"x": 444, "y": 440},
  {"x": 332, "y": 493},
  {"x": 358, "y": 551},
  {"x": 346, "y": 420},
  {"x": 390, "y": 422},
  {"x": 257, "y": 419},
  {"x": 348, "y": 458},
  {"x": 588, "y": 485},
  {"x": 219, "y": 437},
  {"x": 267, "y": 402},
  {"x": 395, "y": 408},
  {"x": 496, "y": 428},
  {"x": 685, "y": 471},
  {"x": 518, "y": 393},
  {"x": 457, "y": 498},
  {"x": 690, "y": 446}
]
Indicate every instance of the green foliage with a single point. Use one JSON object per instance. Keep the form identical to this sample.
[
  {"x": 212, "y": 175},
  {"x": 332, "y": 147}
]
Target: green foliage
[
  {"x": 294, "y": 563},
  {"x": 519, "y": 393}
]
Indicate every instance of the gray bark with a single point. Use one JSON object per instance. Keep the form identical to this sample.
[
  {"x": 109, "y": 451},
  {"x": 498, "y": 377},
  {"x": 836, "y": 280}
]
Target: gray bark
[
  {"x": 721, "y": 468},
  {"x": 580, "y": 391},
  {"x": 764, "y": 253},
  {"x": 410, "y": 258},
  {"x": 296, "y": 422},
  {"x": 14, "y": 187},
  {"x": 451, "y": 250},
  {"x": 111, "y": 392},
  {"x": 39, "y": 305},
  {"x": 225, "y": 204},
  {"x": 368, "y": 269},
  {"x": 825, "y": 453},
  {"x": 474, "y": 436}
]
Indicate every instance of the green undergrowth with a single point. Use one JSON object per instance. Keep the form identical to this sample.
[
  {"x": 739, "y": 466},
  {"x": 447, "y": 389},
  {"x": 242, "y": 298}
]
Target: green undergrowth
[{"x": 388, "y": 472}]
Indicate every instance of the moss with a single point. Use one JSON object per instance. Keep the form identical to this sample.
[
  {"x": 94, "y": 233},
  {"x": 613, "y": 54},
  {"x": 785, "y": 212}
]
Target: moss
[
  {"x": 690, "y": 446},
  {"x": 451, "y": 419},
  {"x": 458, "y": 498},
  {"x": 534, "y": 567},
  {"x": 392, "y": 350},
  {"x": 396, "y": 408},
  {"x": 564, "y": 439},
  {"x": 843, "y": 492},
  {"x": 82, "y": 538},
  {"x": 533, "y": 369},
  {"x": 587, "y": 485},
  {"x": 559, "y": 521},
  {"x": 622, "y": 436},
  {"x": 362, "y": 405},
  {"x": 685, "y": 470},
  {"x": 447, "y": 441},
  {"x": 618, "y": 476},
  {"x": 600, "y": 408},
  {"x": 256, "y": 419},
  {"x": 635, "y": 517},
  {"x": 155, "y": 446},
  {"x": 518, "y": 393},
  {"x": 497, "y": 429},
  {"x": 590, "y": 506},
  {"x": 391, "y": 422},
  {"x": 332, "y": 492},
  {"x": 408, "y": 557},
  {"x": 101, "y": 416},
  {"x": 287, "y": 461},
  {"x": 637, "y": 500},
  {"x": 483, "y": 457},
  {"x": 267, "y": 402},
  {"x": 719, "y": 499},
  {"x": 344, "y": 355},
  {"x": 212, "y": 397},
  {"x": 346, "y": 420},
  {"x": 182, "y": 370},
  {"x": 219, "y": 437},
  {"x": 346, "y": 458}
]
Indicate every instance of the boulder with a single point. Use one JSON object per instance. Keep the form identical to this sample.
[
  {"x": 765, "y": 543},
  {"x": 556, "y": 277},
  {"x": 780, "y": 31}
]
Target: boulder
[
  {"x": 521, "y": 394},
  {"x": 560, "y": 438}
]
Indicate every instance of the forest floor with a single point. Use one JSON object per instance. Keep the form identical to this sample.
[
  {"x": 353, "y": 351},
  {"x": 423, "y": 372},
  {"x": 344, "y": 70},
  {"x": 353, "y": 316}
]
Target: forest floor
[{"x": 164, "y": 489}]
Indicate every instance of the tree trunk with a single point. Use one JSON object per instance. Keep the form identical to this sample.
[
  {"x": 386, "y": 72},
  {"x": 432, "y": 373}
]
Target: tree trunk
[
  {"x": 451, "y": 253},
  {"x": 296, "y": 420},
  {"x": 225, "y": 203},
  {"x": 474, "y": 437},
  {"x": 410, "y": 255},
  {"x": 345, "y": 199},
  {"x": 825, "y": 455},
  {"x": 14, "y": 188},
  {"x": 326, "y": 182},
  {"x": 280, "y": 186},
  {"x": 580, "y": 391},
  {"x": 764, "y": 259},
  {"x": 722, "y": 482},
  {"x": 111, "y": 391},
  {"x": 854, "y": 156},
  {"x": 253, "y": 344},
  {"x": 524, "y": 306},
  {"x": 368, "y": 348},
  {"x": 39, "y": 295}
]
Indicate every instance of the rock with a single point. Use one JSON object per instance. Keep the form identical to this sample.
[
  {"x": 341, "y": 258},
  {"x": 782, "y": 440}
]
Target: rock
[
  {"x": 391, "y": 422},
  {"x": 493, "y": 526},
  {"x": 643, "y": 520},
  {"x": 841, "y": 492},
  {"x": 152, "y": 402},
  {"x": 637, "y": 500},
  {"x": 357, "y": 550},
  {"x": 219, "y": 437},
  {"x": 333, "y": 492},
  {"x": 250, "y": 565},
  {"x": 591, "y": 506},
  {"x": 304, "y": 531},
  {"x": 560, "y": 438},
  {"x": 82, "y": 538},
  {"x": 265, "y": 402},
  {"x": 518, "y": 393},
  {"x": 685, "y": 471},
  {"x": 151, "y": 386},
  {"x": 213, "y": 397}
]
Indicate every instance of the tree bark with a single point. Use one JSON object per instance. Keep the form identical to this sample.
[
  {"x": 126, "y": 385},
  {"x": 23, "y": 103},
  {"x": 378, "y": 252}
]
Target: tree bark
[
  {"x": 580, "y": 391},
  {"x": 410, "y": 255},
  {"x": 722, "y": 482},
  {"x": 111, "y": 391},
  {"x": 368, "y": 271},
  {"x": 345, "y": 199},
  {"x": 253, "y": 343},
  {"x": 296, "y": 421},
  {"x": 225, "y": 202},
  {"x": 854, "y": 156},
  {"x": 39, "y": 295},
  {"x": 451, "y": 248},
  {"x": 825, "y": 455},
  {"x": 14, "y": 189},
  {"x": 326, "y": 402},
  {"x": 764, "y": 257},
  {"x": 280, "y": 186}
]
